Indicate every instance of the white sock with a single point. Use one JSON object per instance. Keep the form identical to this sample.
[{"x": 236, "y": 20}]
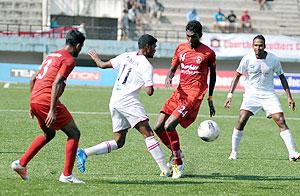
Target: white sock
[
  {"x": 288, "y": 141},
  {"x": 102, "y": 148},
  {"x": 156, "y": 152},
  {"x": 236, "y": 139}
]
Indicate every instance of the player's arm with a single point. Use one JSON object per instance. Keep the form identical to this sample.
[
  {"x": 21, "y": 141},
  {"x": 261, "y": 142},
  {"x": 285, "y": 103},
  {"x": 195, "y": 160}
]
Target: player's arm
[
  {"x": 101, "y": 64},
  {"x": 211, "y": 87},
  {"x": 57, "y": 89},
  {"x": 31, "y": 85},
  {"x": 170, "y": 75},
  {"x": 233, "y": 85},
  {"x": 286, "y": 88}
]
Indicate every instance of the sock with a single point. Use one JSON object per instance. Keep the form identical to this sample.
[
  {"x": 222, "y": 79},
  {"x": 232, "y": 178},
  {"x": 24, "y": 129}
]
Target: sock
[
  {"x": 71, "y": 148},
  {"x": 102, "y": 148},
  {"x": 288, "y": 141},
  {"x": 236, "y": 139},
  {"x": 156, "y": 152},
  {"x": 175, "y": 146},
  {"x": 33, "y": 149},
  {"x": 164, "y": 138}
]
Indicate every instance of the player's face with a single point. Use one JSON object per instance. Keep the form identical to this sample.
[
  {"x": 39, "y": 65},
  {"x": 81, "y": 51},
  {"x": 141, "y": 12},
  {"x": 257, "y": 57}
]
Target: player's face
[
  {"x": 259, "y": 48},
  {"x": 193, "y": 39},
  {"x": 151, "y": 51},
  {"x": 77, "y": 50}
]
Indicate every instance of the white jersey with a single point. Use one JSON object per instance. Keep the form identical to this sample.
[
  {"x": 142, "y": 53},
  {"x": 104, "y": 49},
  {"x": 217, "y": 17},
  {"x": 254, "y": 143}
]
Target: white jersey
[
  {"x": 135, "y": 71},
  {"x": 259, "y": 73}
]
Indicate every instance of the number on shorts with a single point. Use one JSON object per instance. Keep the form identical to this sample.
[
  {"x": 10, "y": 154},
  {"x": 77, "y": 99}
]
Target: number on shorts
[{"x": 182, "y": 112}]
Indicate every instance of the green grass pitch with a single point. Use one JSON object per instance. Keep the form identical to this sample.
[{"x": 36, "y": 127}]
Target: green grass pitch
[{"x": 262, "y": 168}]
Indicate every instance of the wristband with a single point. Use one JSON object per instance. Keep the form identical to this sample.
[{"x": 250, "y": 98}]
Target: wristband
[{"x": 229, "y": 95}]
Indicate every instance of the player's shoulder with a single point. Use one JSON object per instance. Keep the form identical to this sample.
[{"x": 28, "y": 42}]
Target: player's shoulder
[
  {"x": 206, "y": 48},
  {"x": 272, "y": 56}
]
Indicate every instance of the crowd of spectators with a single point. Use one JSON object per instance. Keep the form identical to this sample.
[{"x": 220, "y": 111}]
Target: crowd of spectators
[{"x": 230, "y": 23}]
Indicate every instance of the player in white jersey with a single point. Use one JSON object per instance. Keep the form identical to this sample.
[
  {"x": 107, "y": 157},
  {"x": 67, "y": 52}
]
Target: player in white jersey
[
  {"x": 259, "y": 68},
  {"x": 135, "y": 72}
]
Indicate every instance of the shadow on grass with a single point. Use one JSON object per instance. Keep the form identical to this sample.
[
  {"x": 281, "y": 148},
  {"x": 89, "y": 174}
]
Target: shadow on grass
[{"x": 218, "y": 176}]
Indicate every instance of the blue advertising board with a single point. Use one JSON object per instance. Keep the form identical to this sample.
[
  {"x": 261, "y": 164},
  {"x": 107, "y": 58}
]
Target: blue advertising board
[{"x": 22, "y": 73}]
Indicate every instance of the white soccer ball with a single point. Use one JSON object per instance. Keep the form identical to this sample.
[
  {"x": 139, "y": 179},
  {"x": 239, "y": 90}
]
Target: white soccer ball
[{"x": 208, "y": 130}]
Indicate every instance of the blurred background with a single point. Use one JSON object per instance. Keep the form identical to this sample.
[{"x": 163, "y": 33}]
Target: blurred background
[{"x": 30, "y": 29}]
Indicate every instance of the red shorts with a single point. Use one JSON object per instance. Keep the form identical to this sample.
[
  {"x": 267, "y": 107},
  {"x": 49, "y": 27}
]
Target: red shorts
[
  {"x": 40, "y": 111},
  {"x": 182, "y": 106}
]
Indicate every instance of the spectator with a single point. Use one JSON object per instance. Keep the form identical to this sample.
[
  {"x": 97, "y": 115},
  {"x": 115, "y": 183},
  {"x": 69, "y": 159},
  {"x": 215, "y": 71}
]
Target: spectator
[
  {"x": 261, "y": 4},
  {"x": 132, "y": 14},
  {"x": 124, "y": 25},
  {"x": 192, "y": 15},
  {"x": 246, "y": 22},
  {"x": 220, "y": 20},
  {"x": 156, "y": 11},
  {"x": 232, "y": 22},
  {"x": 53, "y": 23}
]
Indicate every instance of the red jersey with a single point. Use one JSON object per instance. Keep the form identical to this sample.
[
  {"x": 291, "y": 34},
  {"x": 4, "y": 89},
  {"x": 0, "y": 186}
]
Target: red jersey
[
  {"x": 61, "y": 62},
  {"x": 194, "y": 64}
]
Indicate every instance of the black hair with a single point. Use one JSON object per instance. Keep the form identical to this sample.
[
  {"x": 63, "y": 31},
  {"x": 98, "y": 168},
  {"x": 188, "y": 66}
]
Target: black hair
[
  {"x": 146, "y": 39},
  {"x": 74, "y": 37},
  {"x": 261, "y": 37},
  {"x": 194, "y": 26}
]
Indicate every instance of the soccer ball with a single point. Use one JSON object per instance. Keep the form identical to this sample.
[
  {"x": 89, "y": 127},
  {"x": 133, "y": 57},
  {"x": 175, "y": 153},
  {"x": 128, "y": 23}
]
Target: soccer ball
[{"x": 208, "y": 130}]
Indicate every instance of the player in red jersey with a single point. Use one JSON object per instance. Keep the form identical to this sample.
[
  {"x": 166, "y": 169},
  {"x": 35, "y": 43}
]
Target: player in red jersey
[
  {"x": 46, "y": 87},
  {"x": 196, "y": 60}
]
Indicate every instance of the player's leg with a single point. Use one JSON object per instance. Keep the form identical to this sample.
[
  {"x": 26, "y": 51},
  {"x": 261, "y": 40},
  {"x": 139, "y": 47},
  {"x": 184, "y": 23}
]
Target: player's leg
[
  {"x": 160, "y": 130},
  {"x": 73, "y": 133},
  {"x": 153, "y": 147},
  {"x": 286, "y": 136},
  {"x": 20, "y": 166},
  {"x": 238, "y": 132}
]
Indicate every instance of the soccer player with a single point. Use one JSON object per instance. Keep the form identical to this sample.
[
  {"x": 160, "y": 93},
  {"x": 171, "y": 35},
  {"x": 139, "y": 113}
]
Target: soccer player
[
  {"x": 259, "y": 67},
  {"x": 46, "y": 87},
  {"x": 196, "y": 60},
  {"x": 135, "y": 71}
]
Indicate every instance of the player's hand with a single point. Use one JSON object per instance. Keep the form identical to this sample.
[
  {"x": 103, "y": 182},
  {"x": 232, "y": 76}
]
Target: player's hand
[
  {"x": 168, "y": 82},
  {"x": 93, "y": 54},
  {"x": 211, "y": 106},
  {"x": 51, "y": 118},
  {"x": 31, "y": 115},
  {"x": 227, "y": 103},
  {"x": 292, "y": 104}
]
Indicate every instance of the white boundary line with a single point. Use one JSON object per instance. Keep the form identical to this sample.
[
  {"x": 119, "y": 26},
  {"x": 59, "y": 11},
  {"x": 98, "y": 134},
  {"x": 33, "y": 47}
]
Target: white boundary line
[{"x": 150, "y": 114}]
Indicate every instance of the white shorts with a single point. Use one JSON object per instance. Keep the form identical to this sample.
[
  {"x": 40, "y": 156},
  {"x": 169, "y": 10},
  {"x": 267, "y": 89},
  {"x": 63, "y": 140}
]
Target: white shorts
[
  {"x": 266, "y": 102},
  {"x": 125, "y": 117}
]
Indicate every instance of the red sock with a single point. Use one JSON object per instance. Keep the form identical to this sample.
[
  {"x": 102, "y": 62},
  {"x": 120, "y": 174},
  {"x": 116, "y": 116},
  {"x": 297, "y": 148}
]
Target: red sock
[
  {"x": 164, "y": 138},
  {"x": 71, "y": 148},
  {"x": 33, "y": 149},
  {"x": 175, "y": 146}
]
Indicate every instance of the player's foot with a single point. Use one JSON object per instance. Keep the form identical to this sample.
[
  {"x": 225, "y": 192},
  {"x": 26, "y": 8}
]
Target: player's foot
[
  {"x": 22, "y": 171},
  {"x": 294, "y": 157},
  {"x": 166, "y": 174},
  {"x": 171, "y": 159},
  {"x": 233, "y": 156},
  {"x": 80, "y": 159},
  {"x": 177, "y": 171},
  {"x": 70, "y": 179}
]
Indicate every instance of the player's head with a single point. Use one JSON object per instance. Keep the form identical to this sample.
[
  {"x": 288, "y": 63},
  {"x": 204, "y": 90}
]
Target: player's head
[
  {"x": 75, "y": 39},
  {"x": 259, "y": 45},
  {"x": 193, "y": 33},
  {"x": 147, "y": 44}
]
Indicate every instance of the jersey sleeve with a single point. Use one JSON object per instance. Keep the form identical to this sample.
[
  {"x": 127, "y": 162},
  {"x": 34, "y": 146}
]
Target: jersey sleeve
[
  {"x": 148, "y": 75},
  {"x": 242, "y": 68},
  {"x": 67, "y": 67},
  {"x": 278, "y": 68},
  {"x": 175, "y": 60},
  {"x": 117, "y": 61}
]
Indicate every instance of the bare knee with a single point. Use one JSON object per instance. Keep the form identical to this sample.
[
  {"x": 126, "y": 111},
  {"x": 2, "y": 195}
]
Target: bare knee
[{"x": 120, "y": 143}]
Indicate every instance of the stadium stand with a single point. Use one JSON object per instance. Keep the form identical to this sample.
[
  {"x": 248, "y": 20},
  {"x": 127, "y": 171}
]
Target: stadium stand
[{"x": 281, "y": 18}]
